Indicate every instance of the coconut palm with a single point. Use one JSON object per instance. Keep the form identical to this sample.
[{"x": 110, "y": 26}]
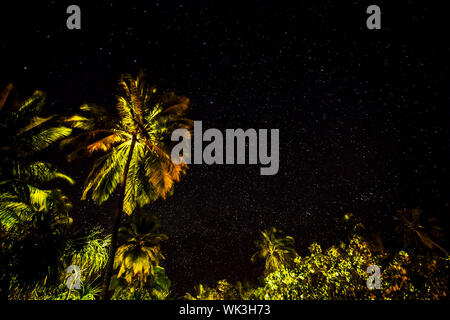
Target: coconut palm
[
  {"x": 275, "y": 250},
  {"x": 26, "y": 130},
  {"x": 418, "y": 231},
  {"x": 32, "y": 215},
  {"x": 136, "y": 146},
  {"x": 140, "y": 253}
]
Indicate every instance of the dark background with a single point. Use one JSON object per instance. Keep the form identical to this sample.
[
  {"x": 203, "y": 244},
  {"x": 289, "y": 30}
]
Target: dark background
[{"x": 363, "y": 115}]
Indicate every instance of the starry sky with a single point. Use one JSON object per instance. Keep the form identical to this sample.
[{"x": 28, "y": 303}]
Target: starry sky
[{"x": 363, "y": 114}]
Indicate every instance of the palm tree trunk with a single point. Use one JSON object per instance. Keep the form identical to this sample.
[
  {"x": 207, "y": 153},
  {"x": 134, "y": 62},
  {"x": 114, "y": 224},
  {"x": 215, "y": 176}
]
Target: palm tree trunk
[
  {"x": 116, "y": 223},
  {"x": 4, "y": 94}
]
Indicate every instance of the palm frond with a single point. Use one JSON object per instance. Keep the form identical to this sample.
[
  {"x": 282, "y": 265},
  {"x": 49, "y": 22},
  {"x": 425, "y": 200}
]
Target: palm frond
[
  {"x": 35, "y": 122},
  {"x": 106, "y": 174},
  {"x": 13, "y": 210},
  {"x": 105, "y": 143},
  {"x": 38, "y": 141},
  {"x": 30, "y": 107},
  {"x": 41, "y": 172}
]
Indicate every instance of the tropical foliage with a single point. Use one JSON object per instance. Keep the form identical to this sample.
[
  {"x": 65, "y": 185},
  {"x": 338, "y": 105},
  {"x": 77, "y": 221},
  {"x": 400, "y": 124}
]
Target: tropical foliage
[
  {"x": 135, "y": 140},
  {"x": 157, "y": 287},
  {"x": 25, "y": 131},
  {"x": 223, "y": 291},
  {"x": 33, "y": 216},
  {"x": 89, "y": 252},
  {"x": 340, "y": 273},
  {"x": 277, "y": 251},
  {"x": 140, "y": 254},
  {"x": 130, "y": 146},
  {"x": 141, "y": 126}
]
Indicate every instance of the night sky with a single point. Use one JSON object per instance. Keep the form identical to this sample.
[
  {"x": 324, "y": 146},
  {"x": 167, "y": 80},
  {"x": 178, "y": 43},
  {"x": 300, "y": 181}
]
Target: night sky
[{"x": 363, "y": 114}]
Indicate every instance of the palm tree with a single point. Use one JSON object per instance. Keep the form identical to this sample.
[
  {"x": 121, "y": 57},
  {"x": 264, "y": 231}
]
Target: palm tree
[
  {"x": 30, "y": 212},
  {"x": 140, "y": 253},
  {"x": 277, "y": 251},
  {"x": 418, "y": 232},
  {"x": 26, "y": 131},
  {"x": 135, "y": 140}
]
